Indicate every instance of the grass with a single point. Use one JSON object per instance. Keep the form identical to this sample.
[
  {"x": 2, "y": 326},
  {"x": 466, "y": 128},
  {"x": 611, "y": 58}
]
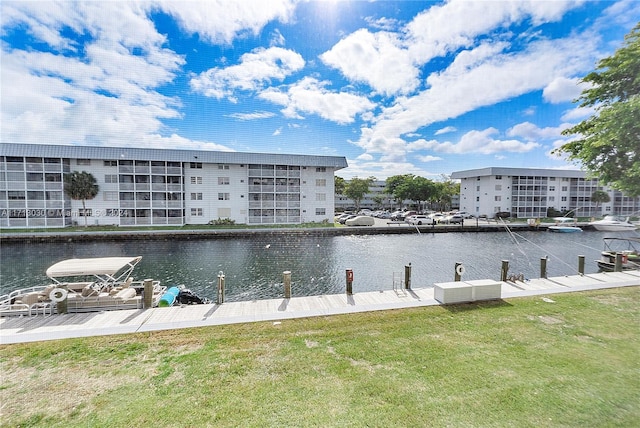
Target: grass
[{"x": 525, "y": 362}]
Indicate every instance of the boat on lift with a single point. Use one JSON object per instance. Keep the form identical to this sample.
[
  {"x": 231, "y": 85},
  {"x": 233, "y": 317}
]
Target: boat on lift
[
  {"x": 613, "y": 223},
  {"x": 564, "y": 225},
  {"x": 627, "y": 248}
]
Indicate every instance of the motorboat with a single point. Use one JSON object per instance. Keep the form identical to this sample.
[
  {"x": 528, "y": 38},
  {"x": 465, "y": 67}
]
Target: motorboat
[
  {"x": 564, "y": 225},
  {"x": 627, "y": 248},
  {"x": 613, "y": 223},
  {"x": 85, "y": 285}
]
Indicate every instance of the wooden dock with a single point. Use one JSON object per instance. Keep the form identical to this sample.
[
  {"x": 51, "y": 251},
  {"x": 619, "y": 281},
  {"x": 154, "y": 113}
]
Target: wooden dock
[{"x": 51, "y": 327}]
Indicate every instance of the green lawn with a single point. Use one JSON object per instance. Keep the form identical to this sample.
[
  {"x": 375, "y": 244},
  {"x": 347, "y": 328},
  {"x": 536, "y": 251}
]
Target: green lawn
[{"x": 527, "y": 362}]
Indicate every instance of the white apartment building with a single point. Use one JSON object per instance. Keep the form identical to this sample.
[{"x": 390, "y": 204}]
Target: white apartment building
[
  {"x": 164, "y": 187},
  {"x": 528, "y": 193}
]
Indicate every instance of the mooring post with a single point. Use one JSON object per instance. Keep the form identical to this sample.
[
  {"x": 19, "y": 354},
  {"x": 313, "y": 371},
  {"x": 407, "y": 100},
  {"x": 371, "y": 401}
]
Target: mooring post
[
  {"x": 287, "y": 284},
  {"x": 618, "y": 265},
  {"x": 349, "y": 274},
  {"x": 220, "y": 296},
  {"x": 459, "y": 270},
  {"x": 581, "y": 265},
  {"x": 407, "y": 276},
  {"x": 543, "y": 267},
  {"x": 147, "y": 297},
  {"x": 504, "y": 271}
]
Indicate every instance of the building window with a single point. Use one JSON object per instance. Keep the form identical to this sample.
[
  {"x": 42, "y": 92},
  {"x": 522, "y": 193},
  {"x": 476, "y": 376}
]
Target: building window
[
  {"x": 498, "y": 177},
  {"x": 321, "y": 182},
  {"x": 564, "y": 188},
  {"x": 498, "y": 186},
  {"x": 321, "y": 169},
  {"x": 321, "y": 211},
  {"x": 196, "y": 196},
  {"x": 111, "y": 163},
  {"x": 497, "y": 198},
  {"x": 321, "y": 197},
  {"x": 223, "y": 181},
  {"x": 477, "y": 188},
  {"x": 83, "y": 161},
  {"x": 196, "y": 180},
  {"x": 196, "y": 212},
  {"x": 563, "y": 199},
  {"x": 552, "y": 198},
  {"x": 223, "y": 196},
  {"x": 477, "y": 198},
  {"x": 195, "y": 165},
  {"x": 111, "y": 178},
  {"x": 223, "y": 166},
  {"x": 552, "y": 188},
  {"x": 110, "y": 196}
]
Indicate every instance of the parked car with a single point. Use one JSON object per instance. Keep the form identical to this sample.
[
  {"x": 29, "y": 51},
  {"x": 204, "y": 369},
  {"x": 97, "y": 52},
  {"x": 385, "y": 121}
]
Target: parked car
[
  {"x": 361, "y": 220},
  {"x": 437, "y": 217},
  {"x": 454, "y": 219},
  {"x": 396, "y": 215},
  {"x": 419, "y": 220},
  {"x": 465, "y": 214},
  {"x": 343, "y": 220}
]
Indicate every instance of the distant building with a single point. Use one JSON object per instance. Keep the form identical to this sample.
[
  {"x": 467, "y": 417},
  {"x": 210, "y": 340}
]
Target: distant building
[
  {"x": 376, "y": 191},
  {"x": 529, "y": 193},
  {"x": 164, "y": 187}
]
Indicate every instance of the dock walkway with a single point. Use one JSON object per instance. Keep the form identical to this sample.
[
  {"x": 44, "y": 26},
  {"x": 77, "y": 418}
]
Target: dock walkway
[{"x": 51, "y": 327}]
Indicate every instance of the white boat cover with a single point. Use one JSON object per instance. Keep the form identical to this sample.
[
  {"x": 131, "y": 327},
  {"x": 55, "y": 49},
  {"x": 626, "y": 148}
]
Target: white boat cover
[{"x": 93, "y": 266}]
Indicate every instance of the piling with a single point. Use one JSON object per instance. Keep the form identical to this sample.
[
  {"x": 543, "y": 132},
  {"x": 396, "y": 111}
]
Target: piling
[
  {"x": 147, "y": 295},
  {"x": 349, "y": 279},
  {"x": 543, "y": 267},
  {"x": 581, "y": 265},
  {"x": 459, "y": 270},
  {"x": 220, "y": 295},
  {"x": 286, "y": 279},
  {"x": 504, "y": 271},
  {"x": 407, "y": 276},
  {"x": 618, "y": 265}
]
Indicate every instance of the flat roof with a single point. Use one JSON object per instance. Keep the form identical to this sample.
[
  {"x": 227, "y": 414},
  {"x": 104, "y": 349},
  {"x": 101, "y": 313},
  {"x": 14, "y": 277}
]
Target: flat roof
[
  {"x": 541, "y": 172},
  {"x": 204, "y": 156}
]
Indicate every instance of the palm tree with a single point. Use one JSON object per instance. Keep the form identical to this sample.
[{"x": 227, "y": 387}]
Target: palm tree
[
  {"x": 600, "y": 196},
  {"x": 81, "y": 186}
]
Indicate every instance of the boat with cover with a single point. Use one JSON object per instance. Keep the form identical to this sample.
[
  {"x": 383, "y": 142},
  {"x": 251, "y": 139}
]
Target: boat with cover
[
  {"x": 629, "y": 250},
  {"x": 564, "y": 225},
  {"x": 613, "y": 223},
  {"x": 83, "y": 285}
]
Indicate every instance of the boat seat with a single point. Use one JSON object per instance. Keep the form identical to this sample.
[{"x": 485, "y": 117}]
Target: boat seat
[{"x": 89, "y": 291}]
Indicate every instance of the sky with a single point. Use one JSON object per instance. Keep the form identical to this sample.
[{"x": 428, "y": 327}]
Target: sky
[{"x": 396, "y": 87}]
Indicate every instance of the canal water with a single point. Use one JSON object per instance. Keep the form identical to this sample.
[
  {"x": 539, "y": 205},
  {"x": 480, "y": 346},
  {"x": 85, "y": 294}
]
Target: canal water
[{"x": 253, "y": 266}]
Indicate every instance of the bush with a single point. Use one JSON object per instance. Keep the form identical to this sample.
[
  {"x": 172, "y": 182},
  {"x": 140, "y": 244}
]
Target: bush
[
  {"x": 502, "y": 214},
  {"x": 222, "y": 222}
]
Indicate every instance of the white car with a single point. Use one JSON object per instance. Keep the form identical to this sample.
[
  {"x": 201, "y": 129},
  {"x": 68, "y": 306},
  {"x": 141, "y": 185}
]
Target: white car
[
  {"x": 419, "y": 220},
  {"x": 361, "y": 220}
]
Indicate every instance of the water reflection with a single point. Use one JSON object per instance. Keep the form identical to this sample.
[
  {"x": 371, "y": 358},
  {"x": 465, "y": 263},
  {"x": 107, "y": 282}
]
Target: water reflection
[{"x": 253, "y": 266}]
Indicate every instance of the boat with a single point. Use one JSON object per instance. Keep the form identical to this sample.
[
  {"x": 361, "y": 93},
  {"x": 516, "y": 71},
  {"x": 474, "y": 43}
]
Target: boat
[
  {"x": 564, "y": 225},
  {"x": 627, "y": 248},
  {"x": 99, "y": 284},
  {"x": 613, "y": 223}
]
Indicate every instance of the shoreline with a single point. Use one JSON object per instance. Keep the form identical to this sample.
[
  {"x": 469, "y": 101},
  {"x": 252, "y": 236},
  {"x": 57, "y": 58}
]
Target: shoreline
[{"x": 127, "y": 235}]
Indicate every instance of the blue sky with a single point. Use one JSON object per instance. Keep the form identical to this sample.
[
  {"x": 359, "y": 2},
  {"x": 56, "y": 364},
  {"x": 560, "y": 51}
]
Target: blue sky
[{"x": 396, "y": 87}]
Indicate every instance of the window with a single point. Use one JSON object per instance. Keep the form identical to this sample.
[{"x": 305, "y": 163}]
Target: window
[
  {"x": 83, "y": 161},
  {"x": 497, "y": 198},
  {"x": 111, "y": 178},
  {"x": 110, "y": 196},
  {"x": 552, "y": 188},
  {"x": 563, "y": 199},
  {"x": 564, "y": 188},
  {"x": 321, "y": 211},
  {"x": 223, "y": 181},
  {"x": 196, "y": 180},
  {"x": 196, "y": 196},
  {"x": 477, "y": 198},
  {"x": 223, "y": 166},
  {"x": 498, "y": 186},
  {"x": 321, "y": 182},
  {"x": 477, "y": 188},
  {"x": 110, "y": 163},
  {"x": 321, "y": 169},
  {"x": 321, "y": 197},
  {"x": 552, "y": 179},
  {"x": 196, "y": 165},
  {"x": 196, "y": 212},
  {"x": 223, "y": 196},
  {"x": 498, "y": 177},
  {"x": 552, "y": 198}
]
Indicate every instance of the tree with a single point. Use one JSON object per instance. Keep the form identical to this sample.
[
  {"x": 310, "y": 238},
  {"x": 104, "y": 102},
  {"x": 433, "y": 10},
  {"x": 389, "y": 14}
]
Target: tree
[
  {"x": 398, "y": 187},
  {"x": 339, "y": 184},
  {"x": 81, "y": 186},
  {"x": 599, "y": 197},
  {"x": 609, "y": 142},
  {"x": 356, "y": 188}
]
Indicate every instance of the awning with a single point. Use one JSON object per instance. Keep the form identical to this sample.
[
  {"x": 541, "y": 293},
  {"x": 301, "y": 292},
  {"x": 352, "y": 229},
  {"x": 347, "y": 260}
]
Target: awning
[{"x": 93, "y": 266}]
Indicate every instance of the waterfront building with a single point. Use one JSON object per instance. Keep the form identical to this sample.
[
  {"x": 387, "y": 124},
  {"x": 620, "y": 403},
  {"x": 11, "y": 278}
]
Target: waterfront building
[
  {"x": 164, "y": 187},
  {"x": 529, "y": 193}
]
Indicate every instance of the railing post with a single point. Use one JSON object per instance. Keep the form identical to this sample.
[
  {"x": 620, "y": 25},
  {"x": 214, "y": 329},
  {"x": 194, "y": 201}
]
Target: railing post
[
  {"x": 220, "y": 296},
  {"x": 407, "y": 276},
  {"x": 287, "y": 284},
  {"x": 581, "y": 265},
  {"x": 504, "y": 270},
  {"x": 543, "y": 267}
]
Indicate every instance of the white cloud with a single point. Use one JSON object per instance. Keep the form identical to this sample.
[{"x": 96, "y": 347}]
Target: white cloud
[
  {"x": 446, "y": 130},
  {"x": 310, "y": 96},
  {"x": 531, "y": 132},
  {"x": 562, "y": 89},
  {"x": 578, "y": 113},
  {"x": 481, "y": 142},
  {"x": 429, "y": 158},
  {"x": 252, "y": 116},
  {"x": 255, "y": 69},
  {"x": 277, "y": 132}
]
